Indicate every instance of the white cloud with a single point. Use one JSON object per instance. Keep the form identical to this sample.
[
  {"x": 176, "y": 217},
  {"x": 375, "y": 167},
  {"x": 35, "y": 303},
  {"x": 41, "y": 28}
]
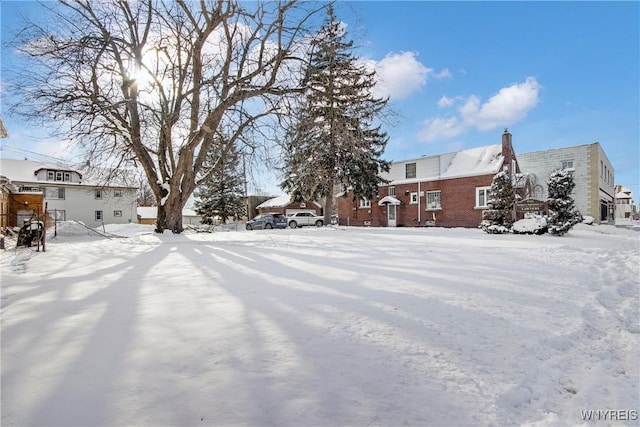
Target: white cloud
[
  {"x": 445, "y": 102},
  {"x": 510, "y": 105},
  {"x": 400, "y": 74},
  {"x": 441, "y": 127}
]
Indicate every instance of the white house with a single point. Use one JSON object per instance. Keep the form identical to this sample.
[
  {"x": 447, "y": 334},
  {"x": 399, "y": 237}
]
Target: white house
[
  {"x": 67, "y": 195},
  {"x": 625, "y": 206}
]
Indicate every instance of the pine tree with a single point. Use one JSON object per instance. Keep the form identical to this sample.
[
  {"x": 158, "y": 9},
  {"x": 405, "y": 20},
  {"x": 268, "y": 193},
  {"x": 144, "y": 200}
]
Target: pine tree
[
  {"x": 502, "y": 197},
  {"x": 221, "y": 193},
  {"x": 334, "y": 140},
  {"x": 562, "y": 213}
]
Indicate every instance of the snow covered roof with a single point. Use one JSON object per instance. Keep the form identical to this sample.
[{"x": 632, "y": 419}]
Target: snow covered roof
[
  {"x": 475, "y": 161},
  {"x": 276, "y": 202},
  {"x": 25, "y": 171},
  {"x": 486, "y": 160},
  {"x": 388, "y": 200},
  {"x": 623, "y": 195}
]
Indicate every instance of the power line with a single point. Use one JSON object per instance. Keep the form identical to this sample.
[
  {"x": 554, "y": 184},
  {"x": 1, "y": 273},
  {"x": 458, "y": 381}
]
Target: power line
[{"x": 34, "y": 156}]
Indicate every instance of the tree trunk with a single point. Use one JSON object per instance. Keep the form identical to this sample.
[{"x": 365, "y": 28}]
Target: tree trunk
[
  {"x": 170, "y": 212},
  {"x": 328, "y": 203}
]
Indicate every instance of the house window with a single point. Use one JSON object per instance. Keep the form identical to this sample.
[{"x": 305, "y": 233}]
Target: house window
[
  {"x": 98, "y": 215},
  {"x": 51, "y": 176},
  {"x": 567, "y": 164},
  {"x": 67, "y": 177},
  {"x": 365, "y": 203},
  {"x": 413, "y": 198},
  {"x": 117, "y": 193},
  {"x": 482, "y": 197},
  {"x": 433, "y": 200},
  {"x": 98, "y": 193},
  {"x": 117, "y": 214},
  {"x": 410, "y": 170},
  {"x": 58, "y": 176},
  {"x": 53, "y": 193},
  {"x": 392, "y": 191}
]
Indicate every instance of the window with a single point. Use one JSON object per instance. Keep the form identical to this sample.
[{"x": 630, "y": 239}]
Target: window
[
  {"x": 410, "y": 170},
  {"x": 567, "y": 164},
  {"x": 67, "y": 177},
  {"x": 53, "y": 193},
  {"x": 482, "y": 196},
  {"x": 392, "y": 191},
  {"x": 98, "y": 193},
  {"x": 433, "y": 200},
  {"x": 98, "y": 215},
  {"x": 58, "y": 215},
  {"x": 117, "y": 214},
  {"x": 413, "y": 198},
  {"x": 51, "y": 176},
  {"x": 365, "y": 204},
  {"x": 58, "y": 176},
  {"x": 117, "y": 193}
]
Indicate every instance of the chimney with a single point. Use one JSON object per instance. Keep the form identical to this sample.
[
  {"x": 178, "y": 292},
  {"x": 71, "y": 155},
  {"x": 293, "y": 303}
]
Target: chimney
[{"x": 506, "y": 141}]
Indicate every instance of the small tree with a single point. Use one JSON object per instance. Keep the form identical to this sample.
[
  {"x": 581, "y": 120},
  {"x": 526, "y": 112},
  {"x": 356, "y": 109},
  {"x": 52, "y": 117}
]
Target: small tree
[
  {"x": 221, "y": 193},
  {"x": 562, "y": 213},
  {"x": 502, "y": 197}
]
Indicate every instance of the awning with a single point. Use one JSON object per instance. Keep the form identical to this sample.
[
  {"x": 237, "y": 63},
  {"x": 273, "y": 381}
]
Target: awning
[{"x": 388, "y": 200}]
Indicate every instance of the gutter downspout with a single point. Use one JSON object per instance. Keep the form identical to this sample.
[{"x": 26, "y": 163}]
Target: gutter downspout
[{"x": 418, "y": 202}]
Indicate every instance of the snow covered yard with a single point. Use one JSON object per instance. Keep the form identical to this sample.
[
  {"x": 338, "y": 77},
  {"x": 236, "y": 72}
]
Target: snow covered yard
[{"x": 322, "y": 327}]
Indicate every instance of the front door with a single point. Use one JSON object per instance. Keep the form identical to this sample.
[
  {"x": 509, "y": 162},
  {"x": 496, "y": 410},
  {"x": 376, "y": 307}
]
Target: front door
[{"x": 391, "y": 215}]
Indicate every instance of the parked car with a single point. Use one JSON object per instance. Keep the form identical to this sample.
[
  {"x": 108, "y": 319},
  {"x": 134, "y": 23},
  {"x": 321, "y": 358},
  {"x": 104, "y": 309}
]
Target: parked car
[
  {"x": 300, "y": 219},
  {"x": 266, "y": 221}
]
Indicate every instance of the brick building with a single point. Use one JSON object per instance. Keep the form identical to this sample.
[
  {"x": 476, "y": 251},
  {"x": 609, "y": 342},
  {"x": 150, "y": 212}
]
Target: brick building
[{"x": 447, "y": 190}]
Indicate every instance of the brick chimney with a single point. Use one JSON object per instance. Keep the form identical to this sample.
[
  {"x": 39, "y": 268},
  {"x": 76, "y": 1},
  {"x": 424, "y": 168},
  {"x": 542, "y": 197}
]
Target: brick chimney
[
  {"x": 506, "y": 142},
  {"x": 507, "y": 152}
]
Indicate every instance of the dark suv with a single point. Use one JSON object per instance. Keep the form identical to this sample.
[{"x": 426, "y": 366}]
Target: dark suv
[{"x": 266, "y": 221}]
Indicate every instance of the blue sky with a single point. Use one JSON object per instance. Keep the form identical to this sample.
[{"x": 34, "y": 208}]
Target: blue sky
[{"x": 556, "y": 74}]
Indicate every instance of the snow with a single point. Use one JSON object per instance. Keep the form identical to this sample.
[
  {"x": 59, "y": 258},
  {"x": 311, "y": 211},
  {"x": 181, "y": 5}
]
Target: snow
[
  {"x": 276, "y": 202},
  {"x": 530, "y": 225},
  {"x": 321, "y": 327},
  {"x": 475, "y": 161}
]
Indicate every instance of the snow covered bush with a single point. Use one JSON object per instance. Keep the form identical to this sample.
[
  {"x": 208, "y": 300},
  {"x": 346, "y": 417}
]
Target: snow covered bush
[
  {"x": 502, "y": 196},
  {"x": 588, "y": 220},
  {"x": 533, "y": 225},
  {"x": 562, "y": 213}
]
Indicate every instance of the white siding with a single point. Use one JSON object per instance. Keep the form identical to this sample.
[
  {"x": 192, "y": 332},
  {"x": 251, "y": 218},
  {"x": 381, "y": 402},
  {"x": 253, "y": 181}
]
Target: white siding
[{"x": 80, "y": 204}]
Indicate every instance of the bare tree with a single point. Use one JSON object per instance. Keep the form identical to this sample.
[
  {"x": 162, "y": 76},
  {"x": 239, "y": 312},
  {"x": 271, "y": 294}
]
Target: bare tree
[{"x": 150, "y": 83}]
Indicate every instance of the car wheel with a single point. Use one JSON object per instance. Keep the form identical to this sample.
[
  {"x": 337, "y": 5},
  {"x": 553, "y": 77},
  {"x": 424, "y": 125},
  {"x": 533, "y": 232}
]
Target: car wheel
[
  {"x": 249, "y": 227},
  {"x": 293, "y": 224},
  {"x": 319, "y": 223},
  {"x": 268, "y": 226}
]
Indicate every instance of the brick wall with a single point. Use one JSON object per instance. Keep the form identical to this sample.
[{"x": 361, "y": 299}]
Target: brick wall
[{"x": 458, "y": 199}]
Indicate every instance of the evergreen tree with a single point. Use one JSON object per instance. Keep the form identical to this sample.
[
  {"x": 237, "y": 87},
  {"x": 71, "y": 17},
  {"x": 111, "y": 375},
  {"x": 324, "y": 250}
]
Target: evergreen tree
[
  {"x": 562, "y": 213},
  {"x": 502, "y": 197},
  {"x": 334, "y": 140},
  {"x": 221, "y": 192}
]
